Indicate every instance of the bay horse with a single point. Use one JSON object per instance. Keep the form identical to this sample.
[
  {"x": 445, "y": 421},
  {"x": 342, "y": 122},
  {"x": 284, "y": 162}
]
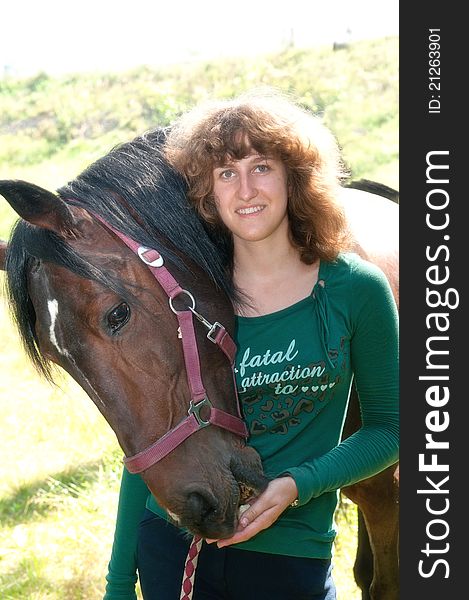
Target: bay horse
[
  {"x": 83, "y": 286},
  {"x": 373, "y": 216},
  {"x": 86, "y": 301}
]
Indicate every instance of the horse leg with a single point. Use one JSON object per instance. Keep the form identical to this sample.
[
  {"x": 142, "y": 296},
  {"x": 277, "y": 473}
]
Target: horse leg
[
  {"x": 363, "y": 567},
  {"x": 377, "y": 499}
]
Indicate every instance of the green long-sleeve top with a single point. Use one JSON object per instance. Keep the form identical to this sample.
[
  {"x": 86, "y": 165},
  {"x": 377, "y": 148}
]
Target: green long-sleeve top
[{"x": 294, "y": 370}]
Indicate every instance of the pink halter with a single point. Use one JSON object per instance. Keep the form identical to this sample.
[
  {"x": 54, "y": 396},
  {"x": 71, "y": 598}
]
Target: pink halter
[{"x": 199, "y": 399}]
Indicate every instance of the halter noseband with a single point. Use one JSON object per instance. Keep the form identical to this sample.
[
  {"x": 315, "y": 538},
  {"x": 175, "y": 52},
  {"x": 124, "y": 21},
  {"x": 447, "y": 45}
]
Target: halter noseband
[{"x": 199, "y": 399}]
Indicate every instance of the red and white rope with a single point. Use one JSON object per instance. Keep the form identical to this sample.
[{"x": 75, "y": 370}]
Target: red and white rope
[{"x": 189, "y": 568}]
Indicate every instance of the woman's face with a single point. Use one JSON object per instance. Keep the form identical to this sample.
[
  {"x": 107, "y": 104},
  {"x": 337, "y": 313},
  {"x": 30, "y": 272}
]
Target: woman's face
[{"x": 251, "y": 197}]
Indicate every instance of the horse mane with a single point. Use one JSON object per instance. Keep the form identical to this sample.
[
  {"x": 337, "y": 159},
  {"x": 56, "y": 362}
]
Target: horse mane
[
  {"x": 373, "y": 187},
  {"x": 136, "y": 191}
]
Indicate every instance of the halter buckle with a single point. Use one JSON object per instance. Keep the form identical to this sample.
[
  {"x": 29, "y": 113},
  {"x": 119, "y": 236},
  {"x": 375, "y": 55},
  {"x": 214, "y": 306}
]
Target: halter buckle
[
  {"x": 212, "y": 334},
  {"x": 194, "y": 409},
  {"x": 156, "y": 262}
]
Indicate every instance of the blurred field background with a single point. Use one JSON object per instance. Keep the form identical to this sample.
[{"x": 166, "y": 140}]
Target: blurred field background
[{"x": 60, "y": 465}]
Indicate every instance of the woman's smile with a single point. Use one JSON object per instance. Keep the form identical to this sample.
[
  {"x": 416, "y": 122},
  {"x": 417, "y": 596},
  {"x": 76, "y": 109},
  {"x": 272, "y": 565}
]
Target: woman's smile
[{"x": 250, "y": 210}]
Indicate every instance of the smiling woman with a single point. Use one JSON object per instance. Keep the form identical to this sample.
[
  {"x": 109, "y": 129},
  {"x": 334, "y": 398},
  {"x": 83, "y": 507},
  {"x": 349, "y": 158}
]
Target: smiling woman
[{"x": 266, "y": 176}]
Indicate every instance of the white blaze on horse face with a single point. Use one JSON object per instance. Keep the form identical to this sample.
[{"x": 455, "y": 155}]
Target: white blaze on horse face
[{"x": 53, "y": 307}]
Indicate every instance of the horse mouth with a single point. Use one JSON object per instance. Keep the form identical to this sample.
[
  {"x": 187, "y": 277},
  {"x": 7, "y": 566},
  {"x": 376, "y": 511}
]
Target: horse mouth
[
  {"x": 214, "y": 512},
  {"x": 215, "y": 522},
  {"x": 251, "y": 483}
]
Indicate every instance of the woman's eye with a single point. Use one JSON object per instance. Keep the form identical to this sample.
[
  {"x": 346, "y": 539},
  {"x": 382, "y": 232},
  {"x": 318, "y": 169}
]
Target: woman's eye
[
  {"x": 227, "y": 174},
  {"x": 262, "y": 168},
  {"x": 118, "y": 316}
]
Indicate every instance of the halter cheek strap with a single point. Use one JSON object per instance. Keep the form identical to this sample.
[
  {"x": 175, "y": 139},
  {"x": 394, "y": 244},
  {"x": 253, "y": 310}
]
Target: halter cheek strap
[{"x": 217, "y": 334}]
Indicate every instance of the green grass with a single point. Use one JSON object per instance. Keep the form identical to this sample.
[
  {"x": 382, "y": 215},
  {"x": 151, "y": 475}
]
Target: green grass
[{"x": 59, "y": 477}]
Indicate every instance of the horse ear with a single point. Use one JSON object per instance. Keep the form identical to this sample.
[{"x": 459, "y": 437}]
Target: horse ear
[
  {"x": 3, "y": 251},
  {"x": 38, "y": 206}
]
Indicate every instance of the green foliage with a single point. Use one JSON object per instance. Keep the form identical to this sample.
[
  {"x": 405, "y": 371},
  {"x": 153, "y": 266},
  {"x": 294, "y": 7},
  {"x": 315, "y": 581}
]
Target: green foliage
[{"x": 354, "y": 89}]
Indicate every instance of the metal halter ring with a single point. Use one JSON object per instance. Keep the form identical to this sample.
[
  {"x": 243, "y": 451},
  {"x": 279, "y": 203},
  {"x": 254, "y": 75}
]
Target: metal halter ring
[
  {"x": 191, "y": 297},
  {"x": 194, "y": 409}
]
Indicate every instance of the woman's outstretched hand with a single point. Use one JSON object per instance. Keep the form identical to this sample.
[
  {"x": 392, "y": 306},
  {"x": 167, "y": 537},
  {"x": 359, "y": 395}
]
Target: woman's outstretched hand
[{"x": 263, "y": 511}]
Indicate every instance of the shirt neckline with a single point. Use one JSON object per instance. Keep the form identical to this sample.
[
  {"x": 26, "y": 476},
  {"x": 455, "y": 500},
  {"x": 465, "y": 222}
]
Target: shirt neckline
[{"x": 288, "y": 309}]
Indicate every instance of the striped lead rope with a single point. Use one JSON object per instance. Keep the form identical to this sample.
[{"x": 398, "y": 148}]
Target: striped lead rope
[{"x": 189, "y": 568}]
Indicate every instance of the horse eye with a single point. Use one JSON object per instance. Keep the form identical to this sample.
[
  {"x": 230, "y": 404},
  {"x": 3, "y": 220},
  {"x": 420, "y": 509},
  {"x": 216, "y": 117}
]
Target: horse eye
[{"x": 118, "y": 316}]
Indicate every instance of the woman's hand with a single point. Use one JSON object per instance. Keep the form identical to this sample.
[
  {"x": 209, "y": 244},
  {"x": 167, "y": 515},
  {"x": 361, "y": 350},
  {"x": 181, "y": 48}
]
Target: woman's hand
[{"x": 264, "y": 510}]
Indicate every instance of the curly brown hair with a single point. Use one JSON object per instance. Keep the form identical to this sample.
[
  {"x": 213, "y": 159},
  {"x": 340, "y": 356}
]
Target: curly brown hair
[{"x": 274, "y": 126}]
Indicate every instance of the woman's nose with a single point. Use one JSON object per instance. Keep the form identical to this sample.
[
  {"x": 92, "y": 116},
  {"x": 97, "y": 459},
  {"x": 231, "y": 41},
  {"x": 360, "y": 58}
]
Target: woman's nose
[{"x": 247, "y": 189}]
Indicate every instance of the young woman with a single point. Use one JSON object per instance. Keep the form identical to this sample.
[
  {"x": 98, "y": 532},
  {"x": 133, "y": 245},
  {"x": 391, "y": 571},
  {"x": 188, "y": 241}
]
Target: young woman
[{"x": 265, "y": 175}]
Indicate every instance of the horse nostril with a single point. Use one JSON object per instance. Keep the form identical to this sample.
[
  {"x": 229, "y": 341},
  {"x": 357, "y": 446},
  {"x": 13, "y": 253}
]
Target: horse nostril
[{"x": 201, "y": 505}]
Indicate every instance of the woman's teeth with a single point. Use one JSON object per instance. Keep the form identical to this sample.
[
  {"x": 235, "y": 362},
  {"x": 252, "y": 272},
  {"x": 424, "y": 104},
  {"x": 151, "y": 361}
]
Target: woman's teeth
[{"x": 249, "y": 210}]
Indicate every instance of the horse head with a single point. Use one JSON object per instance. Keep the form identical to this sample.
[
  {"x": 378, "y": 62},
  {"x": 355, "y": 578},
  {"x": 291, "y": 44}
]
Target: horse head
[{"x": 83, "y": 300}]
